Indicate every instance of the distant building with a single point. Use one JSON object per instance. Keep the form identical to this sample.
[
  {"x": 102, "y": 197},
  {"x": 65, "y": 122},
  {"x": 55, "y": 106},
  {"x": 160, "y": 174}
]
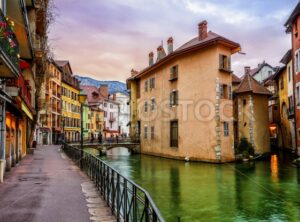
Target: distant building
[
  {"x": 251, "y": 115},
  {"x": 293, "y": 26},
  {"x": 284, "y": 81},
  {"x": 197, "y": 77},
  {"x": 262, "y": 72},
  {"x": 70, "y": 102},
  {"x": 99, "y": 98},
  {"x": 50, "y": 127},
  {"x": 122, "y": 99}
]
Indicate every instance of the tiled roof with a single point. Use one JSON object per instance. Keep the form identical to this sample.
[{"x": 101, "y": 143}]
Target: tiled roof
[
  {"x": 235, "y": 79},
  {"x": 287, "y": 57},
  {"x": 93, "y": 94},
  {"x": 61, "y": 63},
  {"x": 278, "y": 73},
  {"x": 249, "y": 84},
  {"x": 292, "y": 17},
  {"x": 194, "y": 44},
  {"x": 195, "y": 41}
]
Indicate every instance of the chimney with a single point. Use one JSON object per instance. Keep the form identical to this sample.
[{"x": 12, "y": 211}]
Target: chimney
[
  {"x": 151, "y": 58},
  {"x": 160, "y": 53},
  {"x": 103, "y": 89},
  {"x": 202, "y": 28},
  {"x": 134, "y": 72},
  {"x": 170, "y": 45},
  {"x": 247, "y": 70}
]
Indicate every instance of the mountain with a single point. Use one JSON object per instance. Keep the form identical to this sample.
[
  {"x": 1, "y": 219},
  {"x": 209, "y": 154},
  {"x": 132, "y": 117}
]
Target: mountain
[{"x": 113, "y": 86}]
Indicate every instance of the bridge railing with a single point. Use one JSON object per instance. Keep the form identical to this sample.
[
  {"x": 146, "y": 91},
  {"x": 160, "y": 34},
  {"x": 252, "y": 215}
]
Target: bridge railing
[{"x": 127, "y": 200}]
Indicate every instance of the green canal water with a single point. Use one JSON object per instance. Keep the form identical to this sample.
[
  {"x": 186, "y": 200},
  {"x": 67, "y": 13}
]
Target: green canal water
[{"x": 261, "y": 191}]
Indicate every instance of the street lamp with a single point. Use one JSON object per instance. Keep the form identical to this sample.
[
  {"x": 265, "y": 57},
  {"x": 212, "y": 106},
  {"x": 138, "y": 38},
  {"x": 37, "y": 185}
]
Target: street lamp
[{"x": 82, "y": 99}]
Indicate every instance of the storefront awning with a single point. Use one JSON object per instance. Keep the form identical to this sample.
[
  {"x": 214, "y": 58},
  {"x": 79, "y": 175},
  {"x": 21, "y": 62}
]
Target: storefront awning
[{"x": 26, "y": 110}]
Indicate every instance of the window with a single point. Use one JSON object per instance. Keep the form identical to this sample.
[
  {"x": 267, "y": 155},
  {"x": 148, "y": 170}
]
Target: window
[
  {"x": 174, "y": 73},
  {"x": 281, "y": 84},
  {"x": 289, "y": 73},
  {"x": 297, "y": 61},
  {"x": 152, "y": 132},
  {"x": 244, "y": 102},
  {"x": 105, "y": 114},
  {"x": 174, "y": 133},
  {"x": 298, "y": 95},
  {"x": 146, "y": 86},
  {"x": 291, "y": 105},
  {"x": 224, "y": 92},
  {"x": 111, "y": 106},
  {"x": 174, "y": 98},
  {"x": 153, "y": 104},
  {"x": 226, "y": 128},
  {"x": 146, "y": 106},
  {"x": 152, "y": 83},
  {"x": 145, "y": 132},
  {"x": 229, "y": 92},
  {"x": 224, "y": 62},
  {"x": 269, "y": 73}
]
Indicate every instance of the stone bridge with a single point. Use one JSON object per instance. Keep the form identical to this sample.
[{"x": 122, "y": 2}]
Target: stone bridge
[{"x": 132, "y": 147}]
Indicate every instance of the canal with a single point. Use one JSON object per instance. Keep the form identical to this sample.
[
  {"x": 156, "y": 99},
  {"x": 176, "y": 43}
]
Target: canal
[{"x": 268, "y": 191}]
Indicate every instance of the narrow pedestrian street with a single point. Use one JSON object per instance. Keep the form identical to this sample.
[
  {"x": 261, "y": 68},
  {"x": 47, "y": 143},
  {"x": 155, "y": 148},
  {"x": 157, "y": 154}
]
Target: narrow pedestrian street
[{"x": 47, "y": 186}]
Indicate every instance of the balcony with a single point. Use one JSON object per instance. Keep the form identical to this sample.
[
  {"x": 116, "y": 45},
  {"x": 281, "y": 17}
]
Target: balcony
[
  {"x": 274, "y": 114},
  {"x": 112, "y": 119},
  {"x": 9, "y": 50},
  {"x": 22, "y": 86}
]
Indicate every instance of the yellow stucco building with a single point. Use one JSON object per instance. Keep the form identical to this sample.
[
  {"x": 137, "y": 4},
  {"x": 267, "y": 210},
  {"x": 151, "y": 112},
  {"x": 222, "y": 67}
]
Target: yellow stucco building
[
  {"x": 251, "y": 115},
  {"x": 70, "y": 102},
  {"x": 181, "y": 105},
  {"x": 97, "y": 122},
  {"x": 284, "y": 83}
]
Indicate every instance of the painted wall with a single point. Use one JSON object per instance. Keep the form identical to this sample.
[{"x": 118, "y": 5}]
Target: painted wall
[
  {"x": 112, "y": 110},
  {"x": 264, "y": 73},
  {"x": 253, "y": 121},
  {"x": 201, "y": 135},
  {"x": 124, "y": 112},
  {"x": 284, "y": 105}
]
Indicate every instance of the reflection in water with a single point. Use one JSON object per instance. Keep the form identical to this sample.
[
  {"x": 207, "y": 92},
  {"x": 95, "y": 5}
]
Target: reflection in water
[
  {"x": 209, "y": 192},
  {"x": 274, "y": 168},
  {"x": 118, "y": 151}
]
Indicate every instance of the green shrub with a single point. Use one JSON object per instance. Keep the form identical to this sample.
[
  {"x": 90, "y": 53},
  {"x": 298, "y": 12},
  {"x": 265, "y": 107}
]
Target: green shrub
[{"x": 245, "y": 147}]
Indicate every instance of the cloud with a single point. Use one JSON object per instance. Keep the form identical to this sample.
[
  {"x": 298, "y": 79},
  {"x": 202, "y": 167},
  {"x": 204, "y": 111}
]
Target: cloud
[{"x": 104, "y": 39}]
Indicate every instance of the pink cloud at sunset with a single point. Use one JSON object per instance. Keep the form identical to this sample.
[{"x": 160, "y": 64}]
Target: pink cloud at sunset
[{"x": 105, "y": 39}]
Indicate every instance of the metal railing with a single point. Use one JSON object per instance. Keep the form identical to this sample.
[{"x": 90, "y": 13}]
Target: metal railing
[{"x": 127, "y": 200}]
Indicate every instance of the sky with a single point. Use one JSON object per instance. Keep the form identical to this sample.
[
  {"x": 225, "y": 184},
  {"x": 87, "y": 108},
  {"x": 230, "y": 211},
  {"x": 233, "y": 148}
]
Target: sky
[{"x": 105, "y": 39}]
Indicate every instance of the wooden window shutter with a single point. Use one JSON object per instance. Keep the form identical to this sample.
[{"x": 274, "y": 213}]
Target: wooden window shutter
[
  {"x": 176, "y": 97},
  {"x": 221, "y": 63},
  {"x": 229, "y": 62},
  {"x": 171, "y": 98}
]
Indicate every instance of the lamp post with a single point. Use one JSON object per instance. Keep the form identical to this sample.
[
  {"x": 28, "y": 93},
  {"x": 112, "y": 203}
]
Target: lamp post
[{"x": 82, "y": 99}]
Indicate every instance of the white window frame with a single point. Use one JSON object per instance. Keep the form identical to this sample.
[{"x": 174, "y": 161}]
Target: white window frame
[
  {"x": 298, "y": 95},
  {"x": 297, "y": 61}
]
